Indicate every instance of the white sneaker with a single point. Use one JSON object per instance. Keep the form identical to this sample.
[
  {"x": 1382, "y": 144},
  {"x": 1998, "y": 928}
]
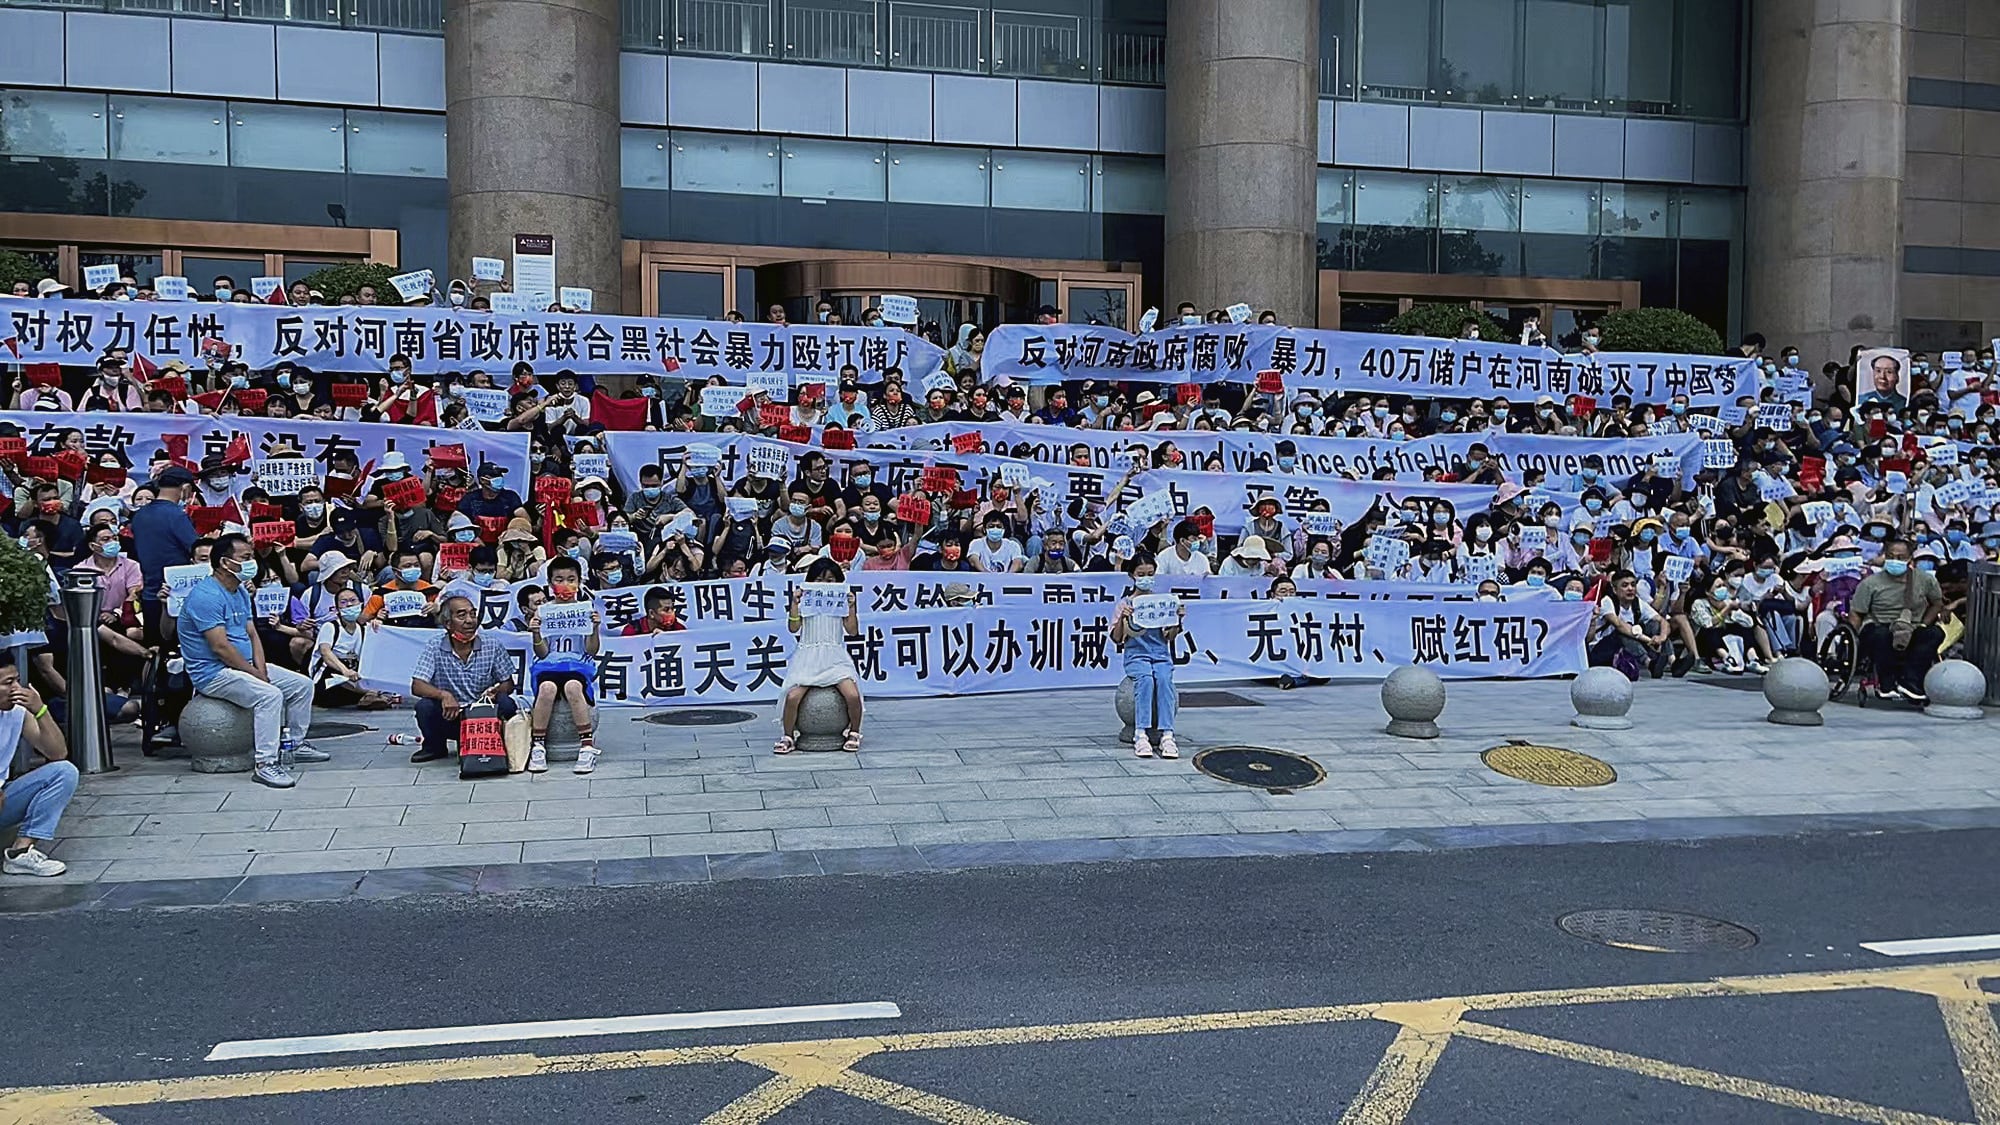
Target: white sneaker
[
  {"x": 1168, "y": 749},
  {"x": 275, "y": 776},
  {"x": 33, "y": 862},
  {"x": 586, "y": 759},
  {"x": 1140, "y": 746},
  {"x": 538, "y": 758}
]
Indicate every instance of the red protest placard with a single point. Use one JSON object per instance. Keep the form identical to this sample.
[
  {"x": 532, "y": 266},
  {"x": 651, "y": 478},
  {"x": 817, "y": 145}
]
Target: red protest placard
[
  {"x": 1204, "y": 521},
  {"x": 1878, "y": 428},
  {"x": 207, "y": 520},
  {"x": 448, "y": 457},
  {"x": 1582, "y": 406},
  {"x": 338, "y": 485},
  {"x": 581, "y": 513},
  {"x": 1812, "y": 473},
  {"x": 913, "y": 509},
  {"x": 452, "y": 558},
  {"x": 70, "y": 464},
  {"x": 447, "y": 499},
  {"x": 939, "y": 478},
  {"x": 251, "y": 400},
  {"x": 47, "y": 375},
  {"x": 481, "y": 738},
  {"x": 278, "y": 532},
  {"x": 43, "y": 467},
  {"x": 260, "y": 512},
  {"x": 843, "y": 546},
  {"x": 1271, "y": 382},
  {"x": 972, "y": 441},
  {"x": 13, "y": 450},
  {"x": 810, "y": 393},
  {"x": 1600, "y": 550},
  {"x": 1896, "y": 465},
  {"x": 349, "y": 394},
  {"x": 833, "y": 437},
  {"x": 112, "y": 477},
  {"x": 171, "y": 384},
  {"x": 1187, "y": 394},
  {"x": 404, "y": 494},
  {"x": 773, "y": 414},
  {"x": 490, "y": 528},
  {"x": 800, "y": 434},
  {"x": 964, "y": 499},
  {"x": 551, "y": 490}
]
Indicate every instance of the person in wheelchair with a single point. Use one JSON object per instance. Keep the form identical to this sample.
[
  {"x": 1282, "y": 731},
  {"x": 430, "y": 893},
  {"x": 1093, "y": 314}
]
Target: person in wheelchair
[{"x": 1895, "y": 610}]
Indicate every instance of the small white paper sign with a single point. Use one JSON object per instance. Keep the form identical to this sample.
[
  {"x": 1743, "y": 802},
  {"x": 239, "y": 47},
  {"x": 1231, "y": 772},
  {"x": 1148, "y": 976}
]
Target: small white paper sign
[
  {"x": 899, "y": 309},
  {"x": 939, "y": 381},
  {"x": 1322, "y": 523},
  {"x": 1013, "y": 475},
  {"x": 681, "y": 523},
  {"x": 489, "y": 269},
  {"x": 1896, "y": 483},
  {"x": 507, "y": 303},
  {"x": 1732, "y": 414},
  {"x": 1770, "y": 488},
  {"x": 1818, "y": 513},
  {"x": 97, "y": 277},
  {"x": 1156, "y": 611},
  {"x": 1535, "y": 538},
  {"x": 487, "y": 404},
  {"x": 1386, "y": 552},
  {"x": 272, "y": 599},
  {"x": 773, "y": 462},
  {"x": 1150, "y": 509},
  {"x": 1952, "y": 361},
  {"x": 1239, "y": 313},
  {"x": 402, "y": 603},
  {"x": 773, "y": 383},
  {"x": 1479, "y": 568},
  {"x": 179, "y": 580},
  {"x": 170, "y": 288},
  {"x": 285, "y": 476},
  {"x": 720, "y": 402},
  {"x": 1718, "y": 453},
  {"x": 742, "y": 507},
  {"x": 1148, "y": 320},
  {"x": 575, "y": 297},
  {"x": 410, "y": 286},
  {"x": 591, "y": 465},
  {"x": 618, "y": 542},
  {"x": 567, "y": 619},
  {"x": 1953, "y": 494},
  {"x": 1703, "y": 423},
  {"x": 1943, "y": 453},
  {"x": 1602, "y": 525},
  {"x": 262, "y": 287},
  {"x": 704, "y": 456},
  {"x": 1677, "y": 568},
  {"x": 1774, "y": 415},
  {"x": 822, "y": 599}
]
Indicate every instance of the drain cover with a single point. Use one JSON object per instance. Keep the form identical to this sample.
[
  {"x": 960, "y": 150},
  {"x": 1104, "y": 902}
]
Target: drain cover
[
  {"x": 1259, "y": 766},
  {"x": 328, "y": 729},
  {"x": 699, "y": 717},
  {"x": 1657, "y": 931},
  {"x": 1215, "y": 699},
  {"x": 1549, "y": 765}
]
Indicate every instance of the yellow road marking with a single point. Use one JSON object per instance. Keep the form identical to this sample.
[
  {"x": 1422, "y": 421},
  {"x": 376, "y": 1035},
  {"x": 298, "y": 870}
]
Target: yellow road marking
[{"x": 1425, "y": 1028}]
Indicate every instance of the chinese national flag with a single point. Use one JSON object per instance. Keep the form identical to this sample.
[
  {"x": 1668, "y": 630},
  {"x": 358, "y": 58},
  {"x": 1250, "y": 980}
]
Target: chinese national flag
[
  {"x": 145, "y": 370},
  {"x": 618, "y": 413},
  {"x": 238, "y": 452},
  {"x": 276, "y": 297}
]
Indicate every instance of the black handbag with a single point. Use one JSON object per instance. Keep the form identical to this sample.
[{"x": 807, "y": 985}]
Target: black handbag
[{"x": 482, "y": 751}]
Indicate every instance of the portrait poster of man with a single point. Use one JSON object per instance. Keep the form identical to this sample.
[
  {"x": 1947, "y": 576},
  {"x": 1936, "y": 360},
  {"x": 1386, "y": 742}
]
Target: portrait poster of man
[{"x": 1882, "y": 375}]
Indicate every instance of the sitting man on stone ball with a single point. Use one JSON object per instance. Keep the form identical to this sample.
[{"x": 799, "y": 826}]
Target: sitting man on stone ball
[{"x": 462, "y": 665}]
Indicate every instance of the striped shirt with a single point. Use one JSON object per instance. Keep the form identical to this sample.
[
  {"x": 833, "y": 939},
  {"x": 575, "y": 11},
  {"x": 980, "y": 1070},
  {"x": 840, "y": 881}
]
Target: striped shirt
[{"x": 489, "y": 664}]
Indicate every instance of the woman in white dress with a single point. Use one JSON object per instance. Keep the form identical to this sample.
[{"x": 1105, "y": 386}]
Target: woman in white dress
[{"x": 821, "y": 660}]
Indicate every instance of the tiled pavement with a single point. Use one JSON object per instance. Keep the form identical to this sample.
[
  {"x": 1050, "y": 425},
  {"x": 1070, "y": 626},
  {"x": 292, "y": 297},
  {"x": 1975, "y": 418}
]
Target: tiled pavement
[{"x": 1000, "y": 779}]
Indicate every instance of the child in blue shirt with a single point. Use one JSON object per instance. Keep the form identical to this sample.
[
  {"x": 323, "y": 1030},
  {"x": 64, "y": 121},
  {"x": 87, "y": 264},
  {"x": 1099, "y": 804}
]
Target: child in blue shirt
[{"x": 1149, "y": 661}]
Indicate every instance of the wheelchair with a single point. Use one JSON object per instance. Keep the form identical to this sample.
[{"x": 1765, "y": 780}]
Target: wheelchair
[{"x": 1839, "y": 655}]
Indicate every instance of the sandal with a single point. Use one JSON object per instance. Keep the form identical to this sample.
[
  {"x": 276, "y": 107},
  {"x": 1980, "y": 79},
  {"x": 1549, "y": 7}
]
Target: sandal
[
  {"x": 853, "y": 743},
  {"x": 784, "y": 745}
]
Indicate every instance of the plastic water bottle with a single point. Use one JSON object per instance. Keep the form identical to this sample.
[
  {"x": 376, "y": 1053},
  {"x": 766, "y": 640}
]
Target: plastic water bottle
[
  {"x": 287, "y": 748},
  {"x": 404, "y": 738}
]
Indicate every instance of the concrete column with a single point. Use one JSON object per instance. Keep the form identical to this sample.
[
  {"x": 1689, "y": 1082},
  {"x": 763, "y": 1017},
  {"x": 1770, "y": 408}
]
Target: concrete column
[
  {"x": 1826, "y": 157},
  {"x": 531, "y": 120},
  {"x": 1242, "y": 155}
]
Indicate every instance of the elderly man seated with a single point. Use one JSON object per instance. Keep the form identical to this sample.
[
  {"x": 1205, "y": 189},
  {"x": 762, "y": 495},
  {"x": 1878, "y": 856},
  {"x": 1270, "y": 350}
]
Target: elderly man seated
[
  {"x": 462, "y": 665},
  {"x": 1896, "y": 611}
]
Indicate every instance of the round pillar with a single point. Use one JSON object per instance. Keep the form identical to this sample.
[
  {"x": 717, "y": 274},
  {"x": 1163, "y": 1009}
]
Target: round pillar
[
  {"x": 531, "y": 135},
  {"x": 1242, "y": 155}
]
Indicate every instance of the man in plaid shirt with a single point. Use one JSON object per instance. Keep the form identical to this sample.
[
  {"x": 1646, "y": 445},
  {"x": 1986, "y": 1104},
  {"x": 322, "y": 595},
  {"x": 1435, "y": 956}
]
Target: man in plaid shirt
[{"x": 461, "y": 665}]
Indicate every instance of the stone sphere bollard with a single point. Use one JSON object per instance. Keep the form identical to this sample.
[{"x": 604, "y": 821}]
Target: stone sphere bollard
[
  {"x": 822, "y": 719},
  {"x": 220, "y": 737},
  {"x": 1128, "y": 709},
  {"x": 1601, "y": 697},
  {"x": 563, "y": 742},
  {"x": 1955, "y": 689},
  {"x": 1414, "y": 698},
  {"x": 1796, "y": 689}
]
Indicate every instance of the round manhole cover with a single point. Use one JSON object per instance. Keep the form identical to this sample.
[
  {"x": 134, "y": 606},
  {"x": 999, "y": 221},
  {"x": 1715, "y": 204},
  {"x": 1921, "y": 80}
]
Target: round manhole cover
[
  {"x": 1549, "y": 765},
  {"x": 1259, "y": 766},
  {"x": 329, "y": 729},
  {"x": 1657, "y": 931},
  {"x": 699, "y": 717}
]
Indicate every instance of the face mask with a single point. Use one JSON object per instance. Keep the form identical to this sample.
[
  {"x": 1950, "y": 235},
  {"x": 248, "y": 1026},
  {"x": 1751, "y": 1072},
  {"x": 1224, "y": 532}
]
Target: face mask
[
  {"x": 247, "y": 570},
  {"x": 1381, "y": 412},
  {"x": 1472, "y": 335},
  {"x": 111, "y": 550},
  {"x": 1928, "y": 566},
  {"x": 1321, "y": 558},
  {"x": 482, "y": 578},
  {"x": 1143, "y": 581},
  {"x": 576, "y": 553},
  {"x": 1572, "y": 595},
  {"x": 410, "y": 573},
  {"x": 651, "y": 492},
  {"x": 122, "y": 297},
  {"x": 1677, "y": 408},
  {"x": 594, "y": 496},
  {"x": 1287, "y": 463},
  {"x": 1954, "y": 536},
  {"x": 1896, "y": 567},
  {"x": 863, "y": 480},
  {"x": 1440, "y": 519},
  {"x": 1397, "y": 435},
  {"x": 398, "y": 376},
  {"x": 224, "y": 294},
  {"x": 613, "y": 577},
  {"x": 1592, "y": 503},
  {"x": 1190, "y": 320},
  {"x": 1648, "y": 535},
  {"x": 1581, "y": 538},
  {"x": 872, "y": 517},
  {"x": 994, "y": 535},
  {"x": 238, "y": 382},
  {"x": 565, "y": 587},
  {"x": 1878, "y": 533},
  {"x": 1482, "y": 533},
  {"x": 1592, "y": 341},
  {"x": 951, "y": 553},
  {"x": 1448, "y": 417},
  {"x": 1588, "y": 474},
  {"x": 350, "y": 613},
  {"x": 798, "y": 511},
  {"x": 1102, "y": 401},
  {"x": 1547, "y": 412},
  {"x": 1720, "y": 592},
  {"x": 1551, "y": 521},
  {"x": 1489, "y": 597}
]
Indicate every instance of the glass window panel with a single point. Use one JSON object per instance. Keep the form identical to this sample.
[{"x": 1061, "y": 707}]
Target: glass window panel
[
  {"x": 1631, "y": 211},
  {"x": 1638, "y": 67},
  {"x": 1559, "y": 207},
  {"x": 1091, "y": 305},
  {"x": 1394, "y": 199},
  {"x": 1395, "y": 49},
  {"x": 1480, "y": 203},
  {"x": 690, "y": 293},
  {"x": 298, "y": 269},
  {"x": 726, "y": 165},
  {"x": 833, "y": 170},
  {"x": 1336, "y": 197},
  {"x": 948, "y": 177},
  {"x": 1563, "y": 58},
  {"x": 1710, "y": 33},
  {"x": 395, "y": 144},
  {"x": 1478, "y": 61},
  {"x": 1130, "y": 185},
  {"x": 642, "y": 158},
  {"x": 138, "y": 265},
  {"x": 1708, "y": 214},
  {"x": 292, "y": 137},
  {"x": 202, "y": 272},
  {"x": 168, "y": 130},
  {"x": 1041, "y": 181},
  {"x": 52, "y": 123}
]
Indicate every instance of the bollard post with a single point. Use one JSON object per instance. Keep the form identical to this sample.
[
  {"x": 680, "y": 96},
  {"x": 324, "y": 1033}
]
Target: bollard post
[{"x": 89, "y": 745}]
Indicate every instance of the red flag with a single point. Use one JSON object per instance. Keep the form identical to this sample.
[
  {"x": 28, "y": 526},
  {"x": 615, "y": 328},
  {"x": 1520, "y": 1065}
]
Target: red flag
[
  {"x": 238, "y": 452},
  {"x": 212, "y": 400},
  {"x": 44, "y": 374},
  {"x": 13, "y": 344},
  {"x": 618, "y": 413},
  {"x": 276, "y": 297},
  {"x": 176, "y": 445},
  {"x": 143, "y": 369},
  {"x": 250, "y": 400},
  {"x": 669, "y": 362}
]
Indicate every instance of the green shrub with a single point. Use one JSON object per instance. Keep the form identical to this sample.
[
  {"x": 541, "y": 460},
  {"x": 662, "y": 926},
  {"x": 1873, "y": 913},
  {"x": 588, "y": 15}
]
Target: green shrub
[
  {"x": 1443, "y": 320},
  {"x": 348, "y": 278},
  {"x": 24, "y": 588},
  {"x": 1658, "y": 330},
  {"x": 16, "y": 266}
]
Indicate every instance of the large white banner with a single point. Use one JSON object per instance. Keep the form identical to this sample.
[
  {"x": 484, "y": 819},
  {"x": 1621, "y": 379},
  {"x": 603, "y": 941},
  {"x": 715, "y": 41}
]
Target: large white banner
[
  {"x": 135, "y": 437},
  {"x": 362, "y": 338},
  {"x": 1041, "y": 648},
  {"x": 1230, "y": 496},
  {"x": 1327, "y": 361}
]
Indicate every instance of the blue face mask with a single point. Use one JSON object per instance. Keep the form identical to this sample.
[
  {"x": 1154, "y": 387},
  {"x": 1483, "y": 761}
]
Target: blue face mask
[
  {"x": 496, "y": 482},
  {"x": 1954, "y": 536},
  {"x": 798, "y": 511},
  {"x": 350, "y": 613},
  {"x": 1581, "y": 538},
  {"x": 411, "y": 573},
  {"x": 238, "y": 382},
  {"x": 398, "y": 377},
  {"x": 1448, "y": 417},
  {"x": 1538, "y": 580},
  {"x": 1588, "y": 474},
  {"x": 613, "y": 577},
  {"x": 1143, "y": 581},
  {"x": 1684, "y": 533},
  {"x": 465, "y": 535},
  {"x": 994, "y": 535},
  {"x": 1592, "y": 503},
  {"x": 1572, "y": 595},
  {"x": 576, "y": 553},
  {"x": 1287, "y": 463},
  {"x": 650, "y": 492},
  {"x": 284, "y": 382},
  {"x": 1381, "y": 412},
  {"x": 1928, "y": 566},
  {"x": 247, "y": 570},
  {"x": 649, "y": 392},
  {"x": 1677, "y": 408},
  {"x": 1647, "y": 536},
  {"x": 1896, "y": 567},
  {"x": 482, "y": 578},
  {"x": 111, "y": 550}
]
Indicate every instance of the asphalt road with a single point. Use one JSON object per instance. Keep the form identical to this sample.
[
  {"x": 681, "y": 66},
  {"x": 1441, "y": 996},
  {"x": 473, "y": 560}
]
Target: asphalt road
[{"x": 115, "y": 996}]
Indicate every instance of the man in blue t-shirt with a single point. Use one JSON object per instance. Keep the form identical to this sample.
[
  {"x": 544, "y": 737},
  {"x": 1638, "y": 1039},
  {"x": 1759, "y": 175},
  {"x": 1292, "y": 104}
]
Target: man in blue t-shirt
[
  {"x": 225, "y": 660},
  {"x": 162, "y": 536}
]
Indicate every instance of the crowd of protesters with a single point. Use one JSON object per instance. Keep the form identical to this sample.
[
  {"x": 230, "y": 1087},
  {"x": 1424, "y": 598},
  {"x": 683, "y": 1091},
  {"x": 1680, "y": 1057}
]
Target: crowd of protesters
[{"x": 1888, "y": 555}]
